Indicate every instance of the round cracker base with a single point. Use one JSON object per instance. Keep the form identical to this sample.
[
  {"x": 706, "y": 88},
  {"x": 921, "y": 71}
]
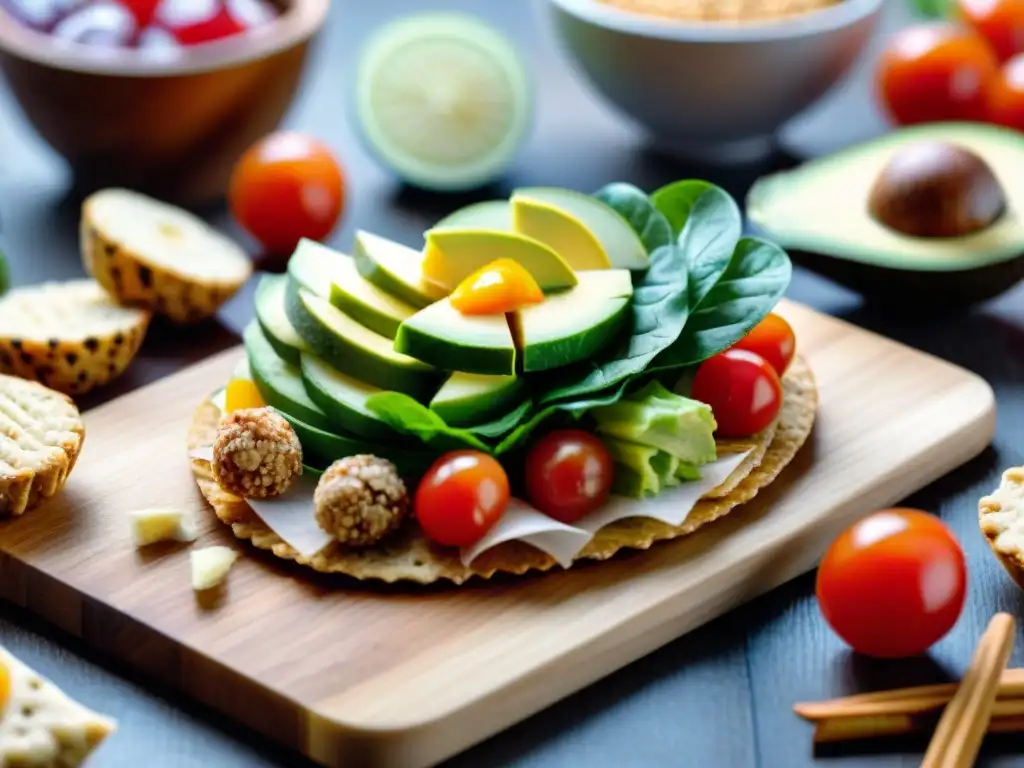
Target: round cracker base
[{"x": 408, "y": 556}]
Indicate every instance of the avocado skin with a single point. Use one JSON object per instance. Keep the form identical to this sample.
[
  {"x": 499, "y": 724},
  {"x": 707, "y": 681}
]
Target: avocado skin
[
  {"x": 911, "y": 290},
  {"x": 444, "y": 355}
]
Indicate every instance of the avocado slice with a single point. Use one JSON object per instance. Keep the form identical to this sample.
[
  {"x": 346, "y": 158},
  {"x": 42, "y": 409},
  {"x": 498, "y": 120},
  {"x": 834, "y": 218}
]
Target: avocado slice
[
  {"x": 572, "y": 222},
  {"x": 453, "y": 254},
  {"x": 444, "y": 337},
  {"x": 490, "y": 214},
  {"x": 269, "y": 304},
  {"x": 355, "y": 350},
  {"x": 312, "y": 266},
  {"x": 278, "y": 381},
  {"x": 343, "y": 399},
  {"x": 395, "y": 269},
  {"x": 364, "y": 302},
  {"x": 573, "y": 325},
  {"x": 466, "y": 399},
  {"x": 819, "y": 213}
]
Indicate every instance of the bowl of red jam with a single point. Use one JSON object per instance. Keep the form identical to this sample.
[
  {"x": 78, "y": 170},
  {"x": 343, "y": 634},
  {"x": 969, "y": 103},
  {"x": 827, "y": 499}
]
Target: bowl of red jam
[{"x": 162, "y": 96}]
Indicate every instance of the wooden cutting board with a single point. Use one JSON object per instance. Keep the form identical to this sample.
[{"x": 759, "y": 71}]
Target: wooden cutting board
[{"x": 355, "y": 675}]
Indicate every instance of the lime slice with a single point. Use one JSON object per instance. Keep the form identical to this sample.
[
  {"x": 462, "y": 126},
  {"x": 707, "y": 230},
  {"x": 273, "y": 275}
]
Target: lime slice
[{"x": 443, "y": 99}]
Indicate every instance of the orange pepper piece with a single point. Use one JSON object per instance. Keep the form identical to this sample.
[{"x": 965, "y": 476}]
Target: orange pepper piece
[
  {"x": 499, "y": 287},
  {"x": 5, "y": 686},
  {"x": 242, "y": 393}
]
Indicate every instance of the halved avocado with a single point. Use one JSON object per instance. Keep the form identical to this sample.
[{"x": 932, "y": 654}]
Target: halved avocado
[
  {"x": 821, "y": 214},
  {"x": 573, "y": 325},
  {"x": 572, "y": 223},
  {"x": 472, "y": 398},
  {"x": 395, "y": 269},
  {"x": 364, "y": 302},
  {"x": 446, "y": 338},
  {"x": 453, "y": 254},
  {"x": 357, "y": 351},
  {"x": 269, "y": 304},
  {"x": 278, "y": 381}
]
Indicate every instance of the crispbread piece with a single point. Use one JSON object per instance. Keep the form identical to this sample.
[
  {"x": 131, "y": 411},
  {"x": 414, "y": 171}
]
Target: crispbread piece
[
  {"x": 1001, "y": 519},
  {"x": 70, "y": 336},
  {"x": 408, "y": 556},
  {"x": 40, "y": 725},
  {"x": 150, "y": 254},
  {"x": 41, "y": 435}
]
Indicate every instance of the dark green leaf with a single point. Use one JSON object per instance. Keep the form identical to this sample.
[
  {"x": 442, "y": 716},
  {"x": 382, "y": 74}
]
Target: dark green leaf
[
  {"x": 405, "y": 414},
  {"x": 503, "y": 424},
  {"x": 658, "y": 313},
  {"x": 574, "y": 410},
  {"x": 709, "y": 225},
  {"x": 636, "y": 208},
  {"x": 932, "y": 9},
  {"x": 755, "y": 280}
]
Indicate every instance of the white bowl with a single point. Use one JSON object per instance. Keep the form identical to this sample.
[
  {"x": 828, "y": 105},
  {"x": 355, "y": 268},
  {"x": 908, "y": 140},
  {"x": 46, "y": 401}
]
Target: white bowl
[{"x": 713, "y": 90}]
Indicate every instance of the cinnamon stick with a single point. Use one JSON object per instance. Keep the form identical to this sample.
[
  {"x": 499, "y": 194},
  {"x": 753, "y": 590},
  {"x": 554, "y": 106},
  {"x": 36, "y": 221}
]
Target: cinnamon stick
[
  {"x": 965, "y": 719},
  {"x": 1007, "y": 717}
]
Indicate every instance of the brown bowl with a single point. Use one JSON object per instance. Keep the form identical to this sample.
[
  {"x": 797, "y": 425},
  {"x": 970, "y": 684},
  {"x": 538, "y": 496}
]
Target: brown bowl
[{"x": 172, "y": 129}]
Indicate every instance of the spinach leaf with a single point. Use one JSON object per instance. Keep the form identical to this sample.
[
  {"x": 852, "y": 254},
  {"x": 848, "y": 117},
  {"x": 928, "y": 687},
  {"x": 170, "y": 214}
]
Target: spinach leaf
[
  {"x": 658, "y": 312},
  {"x": 405, "y": 414},
  {"x": 636, "y": 208},
  {"x": 756, "y": 278},
  {"x": 932, "y": 9},
  {"x": 503, "y": 424},
  {"x": 574, "y": 409},
  {"x": 709, "y": 224}
]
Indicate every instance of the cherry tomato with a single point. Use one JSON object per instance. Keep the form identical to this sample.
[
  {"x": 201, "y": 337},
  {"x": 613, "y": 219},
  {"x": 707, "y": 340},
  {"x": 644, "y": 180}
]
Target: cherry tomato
[
  {"x": 935, "y": 71},
  {"x": 1006, "y": 95},
  {"x": 460, "y": 497},
  {"x": 893, "y": 583},
  {"x": 1000, "y": 22},
  {"x": 568, "y": 474},
  {"x": 743, "y": 390},
  {"x": 774, "y": 340},
  {"x": 285, "y": 187}
]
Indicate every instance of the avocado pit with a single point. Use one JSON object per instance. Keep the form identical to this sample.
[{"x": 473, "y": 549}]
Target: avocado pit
[{"x": 936, "y": 189}]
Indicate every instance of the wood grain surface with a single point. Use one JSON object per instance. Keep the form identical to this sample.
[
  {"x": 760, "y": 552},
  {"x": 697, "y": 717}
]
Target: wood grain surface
[{"x": 355, "y": 675}]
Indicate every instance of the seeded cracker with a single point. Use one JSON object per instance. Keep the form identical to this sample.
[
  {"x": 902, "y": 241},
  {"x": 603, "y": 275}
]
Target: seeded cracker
[
  {"x": 70, "y": 336},
  {"x": 407, "y": 556},
  {"x": 150, "y": 254},
  {"x": 257, "y": 454},
  {"x": 41, "y": 435},
  {"x": 1001, "y": 519}
]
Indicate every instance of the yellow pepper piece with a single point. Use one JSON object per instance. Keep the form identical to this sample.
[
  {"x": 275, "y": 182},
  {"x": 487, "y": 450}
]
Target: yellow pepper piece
[
  {"x": 502, "y": 286},
  {"x": 5, "y": 685},
  {"x": 242, "y": 393}
]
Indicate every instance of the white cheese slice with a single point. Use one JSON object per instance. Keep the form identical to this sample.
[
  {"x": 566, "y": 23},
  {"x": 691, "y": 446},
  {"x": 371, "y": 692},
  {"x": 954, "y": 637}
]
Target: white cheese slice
[
  {"x": 150, "y": 526},
  {"x": 210, "y": 565},
  {"x": 40, "y": 725}
]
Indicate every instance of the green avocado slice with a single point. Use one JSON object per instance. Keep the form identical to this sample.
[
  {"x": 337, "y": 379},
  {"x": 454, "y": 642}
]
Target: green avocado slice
[
  {"x": 452, "y": 255},
  {"x": 269, "y": 303},
  {"x": 573, "y": 325},
  {"x": 466, "y": 399},
  {"x": 356, "y": 351},
  {"x": 395, "y": 269},
  {"x": 363, "y": 301},
  {"x": 490, "y": 214},
  {"x": 278, "y": 381},
  {"x": 446, "y": 338},
  {"x": 342, "y": 399},
  {"x": 819, "y": 213}
]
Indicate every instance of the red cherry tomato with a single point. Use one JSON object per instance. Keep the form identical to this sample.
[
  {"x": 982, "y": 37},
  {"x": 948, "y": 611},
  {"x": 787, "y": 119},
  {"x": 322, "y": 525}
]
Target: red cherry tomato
[
  {"x": 460, "y": 497},
  {"x": 568, "y": 474},
  {"x": 286, "y": 187},
  {"x": 893, "y": 583},
  {"x": 743, "y": 390},
  {"x": 216, "y": 27},
  {"x": 1000, "y": 22},
  {"x": 1006, "y": 95},
  {"x": 774, "y": 340},
  {"x": 935, "y": 71}
]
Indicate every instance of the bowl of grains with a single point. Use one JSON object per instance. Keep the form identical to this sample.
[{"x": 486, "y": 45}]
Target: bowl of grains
[{"x": 712, "y": 79}]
